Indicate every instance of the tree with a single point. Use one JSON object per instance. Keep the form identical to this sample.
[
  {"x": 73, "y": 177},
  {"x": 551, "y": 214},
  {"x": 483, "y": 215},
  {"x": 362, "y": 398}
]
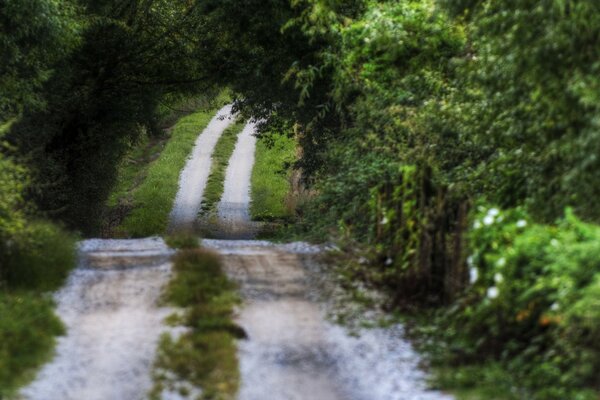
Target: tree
[{"x": 33, "y": 35}]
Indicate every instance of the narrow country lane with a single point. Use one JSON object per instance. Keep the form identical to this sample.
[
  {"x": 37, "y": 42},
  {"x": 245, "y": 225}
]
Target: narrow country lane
[
  {"x": 110, "y": 302},
  {"x": 110, "y": 306},
  {"x": 293, "y": 352},
  {"x": 192, "y": 179},
  {"x": 233, "y": 209}
]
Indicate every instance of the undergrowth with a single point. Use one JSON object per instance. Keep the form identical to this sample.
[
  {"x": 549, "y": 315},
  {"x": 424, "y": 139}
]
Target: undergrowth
[
  {"x": 202, "y": 362},
  {"x": 182, "y": 240},
  {"x": 526, "y": 327},
  {"x": 28, "y": 327}
]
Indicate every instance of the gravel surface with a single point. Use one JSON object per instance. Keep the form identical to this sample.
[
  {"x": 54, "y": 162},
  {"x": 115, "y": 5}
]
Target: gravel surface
[
  {"x": 233, "y": 210},
  {"x": 294, "y": 352},
  {"x": 113, "y": 323},
  {"x": 192, "y": 180}
]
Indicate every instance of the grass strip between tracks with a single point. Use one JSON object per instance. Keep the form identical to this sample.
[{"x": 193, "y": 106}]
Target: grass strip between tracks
[
  {"x": 220, "y": 159},
  {"x": 202, "y": 362}
]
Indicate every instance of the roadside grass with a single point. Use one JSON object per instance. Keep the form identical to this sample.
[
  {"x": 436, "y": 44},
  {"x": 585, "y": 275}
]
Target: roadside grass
[
  {"x": 203, "y": 360},
  {"x": 220, "y": 159},
  {"x": 478, "y": 382},
  {"x": 28, "y": 327},
  {"x": 132, "y": 173},
  {"x": 270, "y": 179},
  {"x": 152, "y": 200},
  {"x": 35, "y": 260}
]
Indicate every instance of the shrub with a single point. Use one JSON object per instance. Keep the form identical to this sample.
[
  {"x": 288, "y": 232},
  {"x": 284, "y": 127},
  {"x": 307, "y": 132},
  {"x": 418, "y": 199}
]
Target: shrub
[
  {"x": 38, "y": 257},
  {"x": 533, "y": 302}
]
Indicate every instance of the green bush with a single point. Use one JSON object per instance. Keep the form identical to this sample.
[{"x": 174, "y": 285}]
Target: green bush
[
  {"x": 532, "y": 303},
  {"x": 39, "y": 257}
]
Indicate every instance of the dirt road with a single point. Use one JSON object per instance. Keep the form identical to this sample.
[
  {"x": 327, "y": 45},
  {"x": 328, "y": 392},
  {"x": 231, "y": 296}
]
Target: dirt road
[
  {"x": 111, "y": 310},
  {"x": 293, "y": 352},
  {"x": 193, "y": 177}
]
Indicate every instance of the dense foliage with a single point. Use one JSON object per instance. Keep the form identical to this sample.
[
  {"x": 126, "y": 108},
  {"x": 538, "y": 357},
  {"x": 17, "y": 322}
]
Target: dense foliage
[
  {"x": 97, "y": 96},
  {"x": 407, "y": 112},
  {"x": 33, "y": 35},
  {"x": 532, "y": 303},
  {"x": 410, "y": 112}
]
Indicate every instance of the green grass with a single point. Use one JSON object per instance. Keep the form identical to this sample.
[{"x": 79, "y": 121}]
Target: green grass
[
  {"x": 205, "y": 356},
  {"x": 270, "y": 179},
  {"x": 28, "y": 327},
  {"x": 479, "y": 382},
  {"x": 37, "y": 259},
  {"x": 132, "y": 173},
  {"x": 182, "y": 241},
  {"x": 134, "y": 167},
  {"x": 153, "y": 198},
  {"x": 220, "y": 159}
]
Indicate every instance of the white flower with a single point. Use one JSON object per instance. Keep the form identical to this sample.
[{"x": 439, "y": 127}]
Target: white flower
[
  {"x": 477, "y": 224},
  {"x": 493, "y": 212},
  {"x": 521, "y": 223},
  {"x": 501, "y": 262},
  {"x": 488, "y": 220},
  {"x": 389, "y": 261},
  {"x": 384, "y": 220},
  {"x": 473, "y": 275},
  {"x": 555, "y": 307},
  {"x": 492, "y": 292},
  {"x": 498, "y": 278}
]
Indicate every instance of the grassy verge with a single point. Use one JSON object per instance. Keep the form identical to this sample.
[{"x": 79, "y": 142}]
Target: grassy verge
[
  {"x": 204, "y": 357},
  {"x": 33, "y": 262},
  {"x": 132, "y": 173},
  {"x": 152, "y": 200},
  {"x": 482, "y": 382},
  {"x": 270, "y": 183},
  {"x": 220, "y": 159},
  {"x": 28, "y": 327}
]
